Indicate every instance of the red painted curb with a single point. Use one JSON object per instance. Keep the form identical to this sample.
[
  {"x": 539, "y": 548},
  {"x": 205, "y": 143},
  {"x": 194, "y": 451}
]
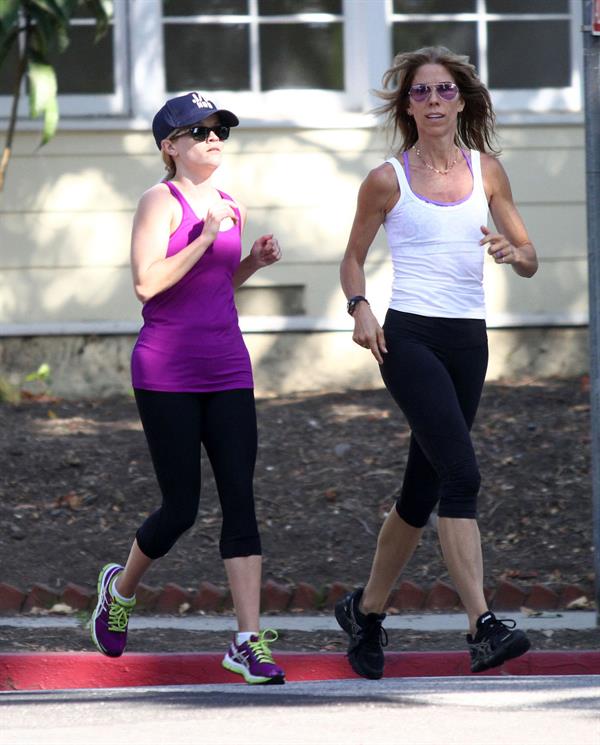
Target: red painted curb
[{"x": 64, "y": 670}]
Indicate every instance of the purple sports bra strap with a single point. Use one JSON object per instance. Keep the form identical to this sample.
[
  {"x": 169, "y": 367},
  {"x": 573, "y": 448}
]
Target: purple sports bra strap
[
  {"x": 406, "y": 165},
  {"x": 467, "y": 157}
]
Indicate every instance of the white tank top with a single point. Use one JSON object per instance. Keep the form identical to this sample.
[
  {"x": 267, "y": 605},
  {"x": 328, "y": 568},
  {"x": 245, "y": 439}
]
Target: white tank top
[{"x": 437, "y": 259}]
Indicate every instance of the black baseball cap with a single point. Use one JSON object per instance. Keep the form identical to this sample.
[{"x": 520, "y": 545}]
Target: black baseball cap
[{"x": 185, "y": 111}]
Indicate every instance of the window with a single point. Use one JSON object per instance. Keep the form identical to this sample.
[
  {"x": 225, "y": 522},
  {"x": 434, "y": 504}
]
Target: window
[
  {"x": 305, "y": 59},
  {"x": 271, "y": 44},
  {"x": 525, "y": 50},
  {"x": 97, "y": 75},
  {"x": 90, "y": 74}
]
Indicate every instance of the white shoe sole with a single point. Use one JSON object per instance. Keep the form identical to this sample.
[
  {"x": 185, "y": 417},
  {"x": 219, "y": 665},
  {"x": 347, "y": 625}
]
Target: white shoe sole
[{"x": 237, "y": 667}]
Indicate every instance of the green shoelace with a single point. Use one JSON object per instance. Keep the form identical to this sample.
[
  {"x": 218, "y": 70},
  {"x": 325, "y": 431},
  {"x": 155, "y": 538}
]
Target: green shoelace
[
  {"x": 118, "y": 615},
  {"x": 261, "y": 646}
]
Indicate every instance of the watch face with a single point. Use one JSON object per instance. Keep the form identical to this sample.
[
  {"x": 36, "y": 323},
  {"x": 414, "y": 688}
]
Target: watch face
[{"x": 352, "y": 305}]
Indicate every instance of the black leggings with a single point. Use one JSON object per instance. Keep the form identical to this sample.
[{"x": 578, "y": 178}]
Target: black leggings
[
  {"x": 175, "y": 425},
  {"x": 434, "y": 369}
]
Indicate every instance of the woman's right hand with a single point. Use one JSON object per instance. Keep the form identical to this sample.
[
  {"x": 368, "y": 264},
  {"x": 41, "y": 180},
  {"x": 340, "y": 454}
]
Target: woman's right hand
[
  {"x": 376, "y": 196},
  {"x": 367, "y": 332},
  {"x": 155, "y": 217},
  {"x": 215, "y": 215}
]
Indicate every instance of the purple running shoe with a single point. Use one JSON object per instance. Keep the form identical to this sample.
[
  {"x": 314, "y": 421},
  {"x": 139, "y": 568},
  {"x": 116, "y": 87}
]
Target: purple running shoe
[
  {"x": 253, "y": 659},
  {"x": 111, "y": 616}
]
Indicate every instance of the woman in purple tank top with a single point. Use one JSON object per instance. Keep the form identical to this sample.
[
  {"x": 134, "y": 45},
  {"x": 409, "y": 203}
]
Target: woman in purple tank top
[{"x": 192, "y": 376}]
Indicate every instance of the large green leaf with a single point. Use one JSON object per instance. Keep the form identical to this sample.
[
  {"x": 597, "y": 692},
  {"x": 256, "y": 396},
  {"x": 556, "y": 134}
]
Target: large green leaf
[
  {"x": 50, "y": 27},
  {"x": 9, "y": 21},
  {"x": 9, "y": 10},
  {"x": 42, "y": 96},
  {"x": 6, "y": 44},
  {"x": 45, "y": 26},
  {"x": 103, "y": 11},
  {"x": 51, "y": 117},
  {"x": 54, "y": 8}
]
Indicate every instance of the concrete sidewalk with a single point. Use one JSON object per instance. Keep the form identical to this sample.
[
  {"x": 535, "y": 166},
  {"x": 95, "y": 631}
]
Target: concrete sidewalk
[
  {"x": 544, "y": 621},
  {"x": 67, "y": 670}
]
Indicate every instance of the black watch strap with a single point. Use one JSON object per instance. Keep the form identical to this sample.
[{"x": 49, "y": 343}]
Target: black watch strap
[{"x": 354, "y": 301}]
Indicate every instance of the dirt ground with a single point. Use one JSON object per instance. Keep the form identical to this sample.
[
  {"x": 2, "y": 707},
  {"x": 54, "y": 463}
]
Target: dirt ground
[
  {"x": 173, "y": 640},
  {"x": 76, "y": 481}
]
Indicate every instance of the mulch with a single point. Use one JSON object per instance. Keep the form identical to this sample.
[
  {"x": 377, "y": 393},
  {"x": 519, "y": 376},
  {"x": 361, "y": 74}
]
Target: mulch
[
  {"x": 76, "y": 481},
  {"x": 174, "y": 640}
]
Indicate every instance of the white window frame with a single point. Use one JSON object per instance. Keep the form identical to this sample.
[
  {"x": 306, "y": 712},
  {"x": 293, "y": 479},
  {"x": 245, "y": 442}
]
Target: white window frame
[
  {"x": 140, "y": 87},
  {"x": 82, "y": 105},
  {"x": 535, "y": 100},
  {"x": 254, "y": 102}
]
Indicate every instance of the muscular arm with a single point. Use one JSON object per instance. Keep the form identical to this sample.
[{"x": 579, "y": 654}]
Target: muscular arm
[
  {"x": 512, "y": 244},
  {"x": 376, "y": 196}
]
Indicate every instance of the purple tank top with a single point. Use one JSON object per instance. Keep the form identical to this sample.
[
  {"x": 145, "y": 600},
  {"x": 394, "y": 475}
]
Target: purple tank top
[{"x": 191, "y": 339}]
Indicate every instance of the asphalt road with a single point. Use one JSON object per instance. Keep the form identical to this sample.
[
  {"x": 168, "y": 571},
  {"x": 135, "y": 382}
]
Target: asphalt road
[{"x": 561, "y": 710}]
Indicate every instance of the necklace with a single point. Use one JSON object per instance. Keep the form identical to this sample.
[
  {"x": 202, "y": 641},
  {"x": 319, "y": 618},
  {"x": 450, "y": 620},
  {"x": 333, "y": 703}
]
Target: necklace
[{"x": 432, "y": 168}]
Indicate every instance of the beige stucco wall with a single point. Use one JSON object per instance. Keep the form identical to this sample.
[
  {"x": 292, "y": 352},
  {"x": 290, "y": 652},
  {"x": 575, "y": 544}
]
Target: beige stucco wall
[{"x": 66, "y": 211}]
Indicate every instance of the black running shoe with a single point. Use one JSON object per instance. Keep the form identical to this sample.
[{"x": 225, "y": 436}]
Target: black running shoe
[
  {"x": 495, "y": 642},
  {"x": 367, "y": 636}
]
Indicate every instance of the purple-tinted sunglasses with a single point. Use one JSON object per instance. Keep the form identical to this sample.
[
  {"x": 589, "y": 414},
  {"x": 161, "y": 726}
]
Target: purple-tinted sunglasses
[{"x": 422, "y": 91}]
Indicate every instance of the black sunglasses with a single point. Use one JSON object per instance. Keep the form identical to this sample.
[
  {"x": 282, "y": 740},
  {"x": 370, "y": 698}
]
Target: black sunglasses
[{"x": 200, "y": 134}]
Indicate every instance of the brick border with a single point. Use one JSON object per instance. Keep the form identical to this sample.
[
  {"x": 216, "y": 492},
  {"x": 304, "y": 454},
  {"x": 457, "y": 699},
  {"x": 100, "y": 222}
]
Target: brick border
[{"x": 279, "y": 598}]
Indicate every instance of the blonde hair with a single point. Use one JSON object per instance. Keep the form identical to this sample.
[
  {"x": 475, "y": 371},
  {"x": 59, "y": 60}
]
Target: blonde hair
[
  {"x": 170, "y": 166},
  {"x": 476, "y": 123}
]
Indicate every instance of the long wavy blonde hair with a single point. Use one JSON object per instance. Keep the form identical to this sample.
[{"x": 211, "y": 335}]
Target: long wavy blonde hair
[{"x": 476, "y": 123}]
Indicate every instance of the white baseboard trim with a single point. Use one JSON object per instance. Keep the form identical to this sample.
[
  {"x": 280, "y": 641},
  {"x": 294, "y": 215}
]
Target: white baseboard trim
[{"x": 275, "y": 324}]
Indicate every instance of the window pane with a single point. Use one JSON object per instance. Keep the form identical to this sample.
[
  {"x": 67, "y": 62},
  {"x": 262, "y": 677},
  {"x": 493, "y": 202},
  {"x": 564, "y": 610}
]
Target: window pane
[
  {"x": 85, "y": 66},
  {"x": 194, "y": 58},
  {"x": 81, "y": 12},
  {"x": 307, "y": 55},
  {"x": 460, "y": 38},
  {"x": 548, "y": 60},
  {"x": 434, "y": 6},
  {"x": 286, "y": 7},
  {"x": 528, "y": 6},
  {"x": 204, "y": 7},
  {"x": 8, "y": 72}
]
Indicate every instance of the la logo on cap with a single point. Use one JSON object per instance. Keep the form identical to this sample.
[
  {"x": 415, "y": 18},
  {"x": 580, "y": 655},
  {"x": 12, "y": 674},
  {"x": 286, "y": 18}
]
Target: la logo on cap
[{"x": 201, "y": 102}]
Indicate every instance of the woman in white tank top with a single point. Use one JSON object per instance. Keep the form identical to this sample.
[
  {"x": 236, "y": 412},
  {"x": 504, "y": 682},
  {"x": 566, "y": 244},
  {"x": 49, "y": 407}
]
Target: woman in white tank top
[{"x": 432, "y": 200}]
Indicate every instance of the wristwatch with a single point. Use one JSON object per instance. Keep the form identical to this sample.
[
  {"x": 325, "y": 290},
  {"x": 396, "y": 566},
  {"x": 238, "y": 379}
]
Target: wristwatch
[{"x": 354, "y": 301}]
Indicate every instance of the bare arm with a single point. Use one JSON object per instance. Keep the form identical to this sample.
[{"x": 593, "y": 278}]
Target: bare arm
[
  {"x": 265, "y": 251},
  {"x": 512, "y": 244},
  {"x": 377, "y": 194},
  {"x": 154, "y": 272}
]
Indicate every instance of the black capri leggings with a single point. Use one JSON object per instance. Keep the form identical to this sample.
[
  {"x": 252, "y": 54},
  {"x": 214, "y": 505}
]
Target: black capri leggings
[
  {"x": 434, "y": 369},
  {"x": 175, "y": 425}
]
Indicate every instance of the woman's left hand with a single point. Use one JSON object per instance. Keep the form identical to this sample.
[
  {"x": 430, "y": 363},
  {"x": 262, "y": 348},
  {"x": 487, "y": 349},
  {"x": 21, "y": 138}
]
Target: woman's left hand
[
  {"x": 499, "y": 248},
  {"x": 265, "y": 250}
]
